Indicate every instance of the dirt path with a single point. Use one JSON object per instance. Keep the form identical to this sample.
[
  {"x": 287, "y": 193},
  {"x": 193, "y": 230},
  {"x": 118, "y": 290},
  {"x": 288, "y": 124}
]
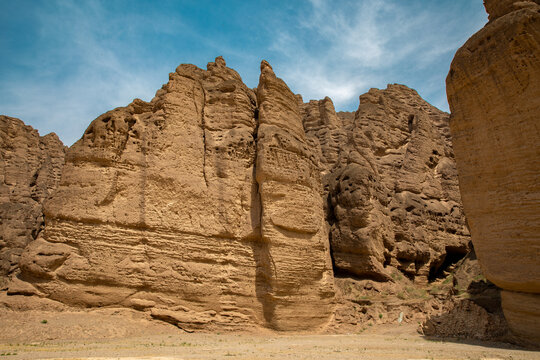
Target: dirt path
[
  {"x": 204, "y": 346},
  {"x": 122, "y": 334}
]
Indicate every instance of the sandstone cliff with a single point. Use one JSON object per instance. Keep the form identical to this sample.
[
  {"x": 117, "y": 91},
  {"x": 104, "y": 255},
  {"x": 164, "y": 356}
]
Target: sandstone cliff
[
  {"x": 494, "y": 94},
  {"x": 218, "y": 206},
  {"x": 30, "y": 168},
  {"x": 191, "y": 207},
  {"x": 393, "y": 198}
]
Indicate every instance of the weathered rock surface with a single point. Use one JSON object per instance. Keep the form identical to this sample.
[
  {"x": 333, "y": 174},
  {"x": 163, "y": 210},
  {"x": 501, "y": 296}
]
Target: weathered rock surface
[
  {"x": 194, "y": 207},
  {"x": 393, "y": 198},
  {"x": 219, "y": 206},
  {"x": 498, "y": 8},
  {"x": 494, "y": 94},
  {"x": 472, "y": 309},
  {"x": 300, "y": 283},
  {"x": 30, "y": 168}
]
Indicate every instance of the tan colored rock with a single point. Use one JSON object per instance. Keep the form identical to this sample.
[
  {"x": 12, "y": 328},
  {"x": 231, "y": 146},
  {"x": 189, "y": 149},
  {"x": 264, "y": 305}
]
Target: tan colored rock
[
  {"x": 393, "y": 194},
  {"x": 158, "y": 209},
  {"x": 494, "y": 94},
  {"x": 522, "y": 311},
  {"x": 325, "y": 127},
  {"x": 30, "y": 168},
  {"x": 298, "y": 269},
  {"x": 498, "y": 8}
]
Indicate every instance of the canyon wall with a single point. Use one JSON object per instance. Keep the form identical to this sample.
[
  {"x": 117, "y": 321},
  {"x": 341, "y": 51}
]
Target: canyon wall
[
  {"x": 30, "y": 168},
  {"x": 217, "y": 206},
  {"x": 494, "y": 94},
  {"x": 191, "y": 207}
]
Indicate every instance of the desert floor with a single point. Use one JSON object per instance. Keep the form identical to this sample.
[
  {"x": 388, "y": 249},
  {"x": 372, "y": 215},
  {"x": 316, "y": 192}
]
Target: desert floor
[{"x": 124, "y": 334}]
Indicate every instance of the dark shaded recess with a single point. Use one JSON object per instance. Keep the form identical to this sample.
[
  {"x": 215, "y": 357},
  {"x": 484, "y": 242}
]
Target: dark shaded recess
[
  {"x": 331, "y": 220},
  {"x": 33, "y": 182},
  {"x": 410, "y": 123},
  {"x": 345, "y": 274},
  {"x": 453, "y": 255},
  {"x": 485, "y": 294}
]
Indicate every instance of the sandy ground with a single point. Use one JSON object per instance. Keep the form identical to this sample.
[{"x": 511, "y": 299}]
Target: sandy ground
[
  {"x": 205, "y": 346},
  {"x": 124, "y": 334}
]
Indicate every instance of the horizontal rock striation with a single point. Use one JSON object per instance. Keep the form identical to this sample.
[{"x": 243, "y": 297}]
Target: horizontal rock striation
[
  {"x": 189, "y": 207},
  {"x": 30, "y": 169},
  {"x": 290, "y": 188},
  {"x": 494, "y": 93}
]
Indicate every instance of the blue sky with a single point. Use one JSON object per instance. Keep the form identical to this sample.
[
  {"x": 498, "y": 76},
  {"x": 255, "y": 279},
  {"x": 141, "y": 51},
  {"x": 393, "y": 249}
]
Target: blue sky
[{"x": 64, "y": 62}]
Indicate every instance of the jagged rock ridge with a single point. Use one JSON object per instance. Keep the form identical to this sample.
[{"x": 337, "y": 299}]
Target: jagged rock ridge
[
  {"x": 393, "y": 197},
  {"x": 494, "y": 94}
]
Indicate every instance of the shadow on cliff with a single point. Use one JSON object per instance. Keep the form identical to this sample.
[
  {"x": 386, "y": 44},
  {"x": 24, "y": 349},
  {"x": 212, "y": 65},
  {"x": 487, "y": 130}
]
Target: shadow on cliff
[
  {"x": 262, "y": 258},
  {"x": 474, "y": 317}
]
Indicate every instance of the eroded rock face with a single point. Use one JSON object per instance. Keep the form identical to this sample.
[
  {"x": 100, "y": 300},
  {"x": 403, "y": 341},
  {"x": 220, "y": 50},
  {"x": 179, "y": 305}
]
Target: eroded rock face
[
  {"x": 300, "y": 283},
  {"x": 494, "y": 94},
  {"x": 159, "y": 209},
  {"x": 30, "y": 168},
  {"x": 498, "y": 8},
  {"x": 393, "y": 198}
]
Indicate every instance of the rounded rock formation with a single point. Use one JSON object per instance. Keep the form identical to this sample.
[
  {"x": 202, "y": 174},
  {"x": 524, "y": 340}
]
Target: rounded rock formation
[{"x": 494, "y": 95}]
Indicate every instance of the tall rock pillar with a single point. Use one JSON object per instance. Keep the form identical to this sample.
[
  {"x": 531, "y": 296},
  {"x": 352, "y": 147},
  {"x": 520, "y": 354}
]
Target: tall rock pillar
[{"x": 298, "y": 269}]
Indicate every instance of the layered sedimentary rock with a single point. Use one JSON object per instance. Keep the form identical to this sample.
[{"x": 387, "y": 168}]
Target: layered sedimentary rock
[
  {"x": 393, "y": 197},
  {"x": 494, "y": 94},
  {"x": 159, "y": 209},
  {"x": 30, "y": 168},
  {"x": 291, "y": 196}
]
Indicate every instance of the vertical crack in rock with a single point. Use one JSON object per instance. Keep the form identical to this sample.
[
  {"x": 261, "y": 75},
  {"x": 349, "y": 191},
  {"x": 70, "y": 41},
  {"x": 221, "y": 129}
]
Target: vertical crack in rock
[
  {"x": 203, "y": 120},
  {"x": 264, "y": 263},
  {"x": 203, "y": 125}
]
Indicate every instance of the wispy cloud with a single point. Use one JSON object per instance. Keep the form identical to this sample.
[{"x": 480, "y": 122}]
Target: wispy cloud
[
  {"x": 341, "y": 48},
  {"x": 83, "y": 73},
  {"x": 91, "y": 56}
]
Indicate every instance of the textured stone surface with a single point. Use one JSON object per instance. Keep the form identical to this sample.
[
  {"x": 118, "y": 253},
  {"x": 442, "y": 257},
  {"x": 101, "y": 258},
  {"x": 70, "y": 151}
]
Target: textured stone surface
[
  {"x": 159, "y": 209},
  {"x": 498, "y": 8},
  {"x": 30, "y": 168},
  {"x": 494, "y": 94},
  {"x": 300, "y": 283},
  {"x": 390, "y": 174}
]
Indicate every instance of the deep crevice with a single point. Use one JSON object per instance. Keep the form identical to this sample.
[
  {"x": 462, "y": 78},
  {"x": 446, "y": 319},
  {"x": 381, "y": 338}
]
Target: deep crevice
[
  {"x": 453, "y": 256},
  {"x": 265, "y": 265}
]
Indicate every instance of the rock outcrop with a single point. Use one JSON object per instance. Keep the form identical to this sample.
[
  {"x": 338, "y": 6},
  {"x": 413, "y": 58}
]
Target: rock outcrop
[
  {"x": 494, "y": 94},
  {"x": 193, "y": 207},
  {"x": 393, "y": 197},
  {"x": 217, "y": 206},
  {"x": 30, "y": 168},
  {"x": 290, "y": 188}
]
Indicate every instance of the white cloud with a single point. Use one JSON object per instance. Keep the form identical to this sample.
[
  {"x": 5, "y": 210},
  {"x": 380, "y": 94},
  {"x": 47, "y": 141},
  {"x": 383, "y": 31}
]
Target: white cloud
[
  {"x": 83, "y": 74},
  {"x": 90, "y": 59},
  {"x": 346, "y": 47}
]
